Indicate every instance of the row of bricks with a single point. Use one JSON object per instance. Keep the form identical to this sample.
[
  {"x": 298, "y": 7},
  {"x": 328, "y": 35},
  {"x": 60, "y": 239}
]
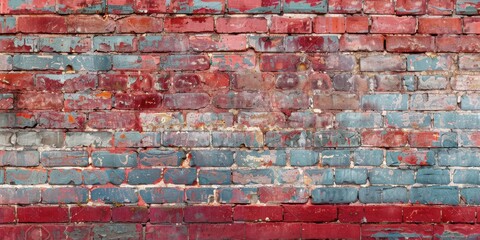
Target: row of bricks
[
  {"x": 206, "y": 24},
  {"x": 236, "y": 139},
  {"x": 399, "y": 7},
  {"x": 273, "y": 101},
  {"x": 278, "y": 176},
  {"x": 229, "y": 62},
  {"x": 241, "y": 213},
  {"x": 233, "y": 43},
  {"x": 225, "y": 158},
  {"x": 276, "y": 230},
  {"x": 271, "y": 194}
]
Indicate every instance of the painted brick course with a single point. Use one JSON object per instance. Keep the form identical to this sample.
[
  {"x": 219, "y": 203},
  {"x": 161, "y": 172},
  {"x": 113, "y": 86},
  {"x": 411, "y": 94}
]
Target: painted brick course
[{"x": 239, "y": 119}]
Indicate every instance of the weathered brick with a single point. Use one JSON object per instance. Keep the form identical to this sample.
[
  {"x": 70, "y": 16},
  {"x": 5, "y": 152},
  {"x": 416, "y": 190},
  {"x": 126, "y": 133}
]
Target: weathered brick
[
  {"x": 8, "y": 24},
  {"x": 41, "y": 24},
  {"x": 354, "y": 42},
  {"x": 20, "y": 195},
  {"x": 256, "y": 159},
  {"x": 233, "y": 62},
  {"x": 433, "y": 102},
  {"x": 384, "y": 138},
  {"x": 113, "y": 120},
  {"x": 311, "y": 44},
  {"x": 64, "y": 195},
  {"x": 189, "y": 24},
  {"x": 258, "y": 7},
  {"x": 241, "y": 25},
  {"x": 343, "y": 6},
  {"x": 410, "y": 157},
  {"x": 440, "y": 25},
  {"x": 64, "y": 158},
  {"x": 139, "y": 24},
  {"x": 81, "y": 101},
  {"x": 439, "y": 7},
  {"x": 393, "y": 24},
  {"x": 44, "y": 138},
  {"x": 65, "y": 82},
  {"x": 282, "y": 194},
  {"x": 90, "y": 24},
  {"x": 329, "y": 24},
  {"x": 377, "y": 63},
  {"x": 253, "y": 176},
  {"x": 410, "y": 43},
  {"x": 64, "y": 44},
  {"x": 135, "y": 62},
  {"x": 290, "y": 25},
  {"x": 405, "y": 7},
  {"x": 359, "y": 120},
  {"x": 288, "y": 139},
  {"x": 356, "y": 24},
  {"x": 337, "y": 138},
  {"x": 199, "y": 195},
  {"x": 80, "y": 6}
]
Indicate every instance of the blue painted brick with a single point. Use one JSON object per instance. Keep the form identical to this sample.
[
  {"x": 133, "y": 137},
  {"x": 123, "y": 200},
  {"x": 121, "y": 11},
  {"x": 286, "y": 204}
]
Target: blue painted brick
[
  {"x": 336, "y": 157},
  {"x": 120, "y": 7},
  {"x": 470, "y": 102},
  {"x": 368, "y": 157},
  {"x": 433, "y": 176},
  {"x": 377, "y": 194},
  {"x": 253, "y": 176},
  {"x": 65, "y": 195},
  {"x": 258, "y": 8},
  {"x": 144, "y": 176},
  {"x": 20, "y": 44},
  {"x": 20, "y": 195},
  {"x": 114, "y": 195},
  {"x": 359, "y": 120},
  {"x": 60, "y": 62},
  {"x": 180, "y": 175},
  {"x": 200, "y": 195},
  {"x": 211, "y": 158},
  {"x": 2, "y": 176},
  {"x": 65, "y": 177},
  {"x": 102, "y": 177},
  {"x": 422, "y": 62},
  {"x": 25, "y": 177},
  {"x": 408, "y": 120},
  {"x": 162, "y": 195},
  {"x": 305, "y": 6},
  {"x": 455, "y": 120},
  {"x": 155, "y": 157},
  {"x": 216, "y": 177},
  {"x": 108, "y": 159},
  {"x": 409, "y": 82},
  {"x": 186, "y": 139},
  {"x": 91, "y": 8},
  {"x": 459, "y": 157},
  {"x": 300, "y": 157},
  {"x": 434, "y": 82},
  {"x": 467, "y": 7},
  {"x": 287, "y": 176},
  {"x": 86, "y": 139},
  {"x": 350, "y": 176},
  {"x": 334, "y": 195},
  {"x": 237, "y": 139},
  {"x": 238, "y": 195},
  {"x": 8, "y": 24},
  {"x": 19, "y": 158},
  {"x": 279, "y": 139},
  {"x": 466, "y": 176},
  {"x": 137, "y": 139},
  {"x": 255, "y": 159},
  {"x": 337, "y": 138},
  {"x": 198, "y": 6},
  {"x": 318, "y": 176},
  {"x": 470, "y": 195},
  {"x": 433, "y": 102},
  {"x": 114, "y": 43},
  {"x": 391, "y": 176},
  {"x": 434, "y": 195},
  {"x": 63, "y": 44},
  {"x": 391, "y": 102}
]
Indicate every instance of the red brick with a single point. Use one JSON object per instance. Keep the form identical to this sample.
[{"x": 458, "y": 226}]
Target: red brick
[
  {"x": 391, "y": 214},
  {"x": 282, "y": 63},
  {"x": 421, "y": 231},
  {"x": 440, "y": 25},
  {"x": 379, "y": 6},
  {"x": 425, "y": 139},
  {"x": 467, "y": 44},
  {"x": 329, "y": 25},
  {"x": 43, "y": 214},
  {"x": 241, "y": 25},
  {"x": 371, "y": 43},
  {"x": 212, "y": 43},
  {"x": 261, "y": 119},
  {"x": 422, "y": 214},
  {"x": 351, "y": 214},
  {"x": 138, "y": 100},
  {"x": 18, "y": 44},
  {"x": 344, "y": 6},
  {"x": 251, "y": 80},
  {"x": 471, "y": 25},
  {"x": 6, "y": 101},
  {"x": 150, "y": 6},
  {"x": 217, "y": 231},
  {"x": 167, "y": 214},
  {"x": 383, "y": 138},
  {"x": 130, "y": 214},
  {"x": 186, "y": 100},
  {"x": 42, "y": 24},
  {"x": 7, "y": 214},
  {"x": 457, "y": 214},
  {"x": 408, "y": 7},
  {"x": 27, "y": 7},
  {"x": 273, "y": 230},
  {"x": 156, "y": 232},
  {"x": 290, "y": 25},
  {"x": 90, "y": 24},
  {"x": 258, "y": 6},
  {"x": 113, "y": 120},
  {"x": 251, "y": 213},
  {"x": 392, "y": 24},
  {"x": 456, "y": 231},
  {"x": 40, "y": 101},
  {"x": 124, "y": 82},
  {"x": 17, "y": 81},
  {"x": 65, "y": 83},
  {"x": 189, "y": 24},
  {"x": 139, "y": 24},
  {"x": 282, "y": 194},
  {"x": 440, "y": 7},
  {"x": 357, "y": 24},
  {"x": 330, "y": 231},
  {"x": 410, "y": 43},
  {"x": 211, "y": 214},
  {"x": 79, "y": 6},
  {"x": 309, "y": 213},
  {"x": 90, "y": 214}
]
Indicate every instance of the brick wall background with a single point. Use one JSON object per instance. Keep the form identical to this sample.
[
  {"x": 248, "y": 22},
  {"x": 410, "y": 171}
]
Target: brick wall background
[{"x": 256, "y": 119}]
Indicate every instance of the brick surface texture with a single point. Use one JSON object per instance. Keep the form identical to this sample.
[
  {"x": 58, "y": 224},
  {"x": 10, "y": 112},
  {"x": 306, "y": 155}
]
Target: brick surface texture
[{"x": 239, "y": 119}]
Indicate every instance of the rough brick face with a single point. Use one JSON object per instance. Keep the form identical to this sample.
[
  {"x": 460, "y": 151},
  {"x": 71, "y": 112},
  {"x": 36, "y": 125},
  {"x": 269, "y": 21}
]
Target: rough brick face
[{"x": 239, "y": 119}]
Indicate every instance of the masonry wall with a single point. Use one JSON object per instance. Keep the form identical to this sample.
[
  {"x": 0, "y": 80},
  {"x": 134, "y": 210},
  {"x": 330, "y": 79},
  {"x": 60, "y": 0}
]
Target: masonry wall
[{"x": 240, "y": 119}]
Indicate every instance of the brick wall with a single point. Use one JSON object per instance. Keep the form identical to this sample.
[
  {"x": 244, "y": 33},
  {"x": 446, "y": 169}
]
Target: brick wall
[{"x": 256, "y": 119}]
